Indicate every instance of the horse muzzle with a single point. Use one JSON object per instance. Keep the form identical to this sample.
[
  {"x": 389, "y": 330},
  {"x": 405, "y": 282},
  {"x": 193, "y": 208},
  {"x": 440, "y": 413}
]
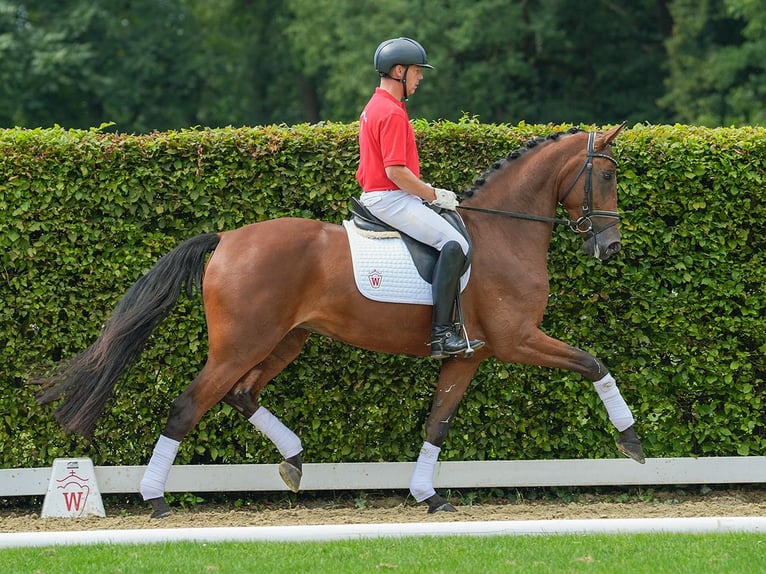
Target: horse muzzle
[{"x": 603, "y": 247}]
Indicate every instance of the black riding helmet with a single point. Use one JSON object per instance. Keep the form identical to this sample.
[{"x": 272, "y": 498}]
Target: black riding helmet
[{"x": 404, "y": 51}]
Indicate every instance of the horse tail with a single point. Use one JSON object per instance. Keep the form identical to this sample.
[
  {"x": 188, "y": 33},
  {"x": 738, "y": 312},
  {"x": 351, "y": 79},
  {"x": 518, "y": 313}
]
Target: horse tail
[{"x": 86, "y": 381}]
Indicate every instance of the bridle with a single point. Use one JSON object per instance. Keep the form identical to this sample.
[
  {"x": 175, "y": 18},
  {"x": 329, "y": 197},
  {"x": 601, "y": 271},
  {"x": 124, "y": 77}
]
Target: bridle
[{"x": 583, "y": 224}]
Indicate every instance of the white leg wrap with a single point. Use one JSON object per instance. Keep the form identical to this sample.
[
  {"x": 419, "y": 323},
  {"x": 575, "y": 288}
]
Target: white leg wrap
[
  {"x": 156, "y": 475},
  {"x": 618, "y": 410},
  {"x": 286, "y": 441},
  {"x": 422, "y": 481}
]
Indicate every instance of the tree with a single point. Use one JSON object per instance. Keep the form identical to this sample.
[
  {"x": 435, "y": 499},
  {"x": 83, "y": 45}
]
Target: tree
[
  {"x": 716, "y": 56},
  {"x": 532, "y": 60},
  {"x": 82, "y": 63},
  {"x": 169, "y": 64},
  {"x": 45, "y": 63},
  {"x": 248, "y": 73},
  {"x": 603, "y": 67}
]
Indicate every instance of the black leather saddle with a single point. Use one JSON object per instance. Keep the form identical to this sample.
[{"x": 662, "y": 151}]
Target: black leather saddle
[{"x": 424, "y": 256}]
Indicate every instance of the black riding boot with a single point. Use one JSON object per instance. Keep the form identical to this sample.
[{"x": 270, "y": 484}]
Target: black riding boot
[{"x": 446, "y": 338}]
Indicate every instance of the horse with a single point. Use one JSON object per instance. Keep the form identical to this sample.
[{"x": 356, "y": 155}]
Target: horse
[{"x": 268, "y": 285}]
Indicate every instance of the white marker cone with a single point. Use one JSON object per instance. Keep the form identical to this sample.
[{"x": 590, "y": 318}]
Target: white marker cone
[{"x": 72, "y": 490}]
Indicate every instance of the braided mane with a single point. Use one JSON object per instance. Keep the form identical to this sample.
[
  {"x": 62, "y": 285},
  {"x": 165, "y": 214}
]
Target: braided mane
[{"x": 515, "y": 154}]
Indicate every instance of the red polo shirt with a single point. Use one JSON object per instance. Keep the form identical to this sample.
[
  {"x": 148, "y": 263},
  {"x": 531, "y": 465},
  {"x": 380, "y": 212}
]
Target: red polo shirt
[{"x": 386, "y": 138}]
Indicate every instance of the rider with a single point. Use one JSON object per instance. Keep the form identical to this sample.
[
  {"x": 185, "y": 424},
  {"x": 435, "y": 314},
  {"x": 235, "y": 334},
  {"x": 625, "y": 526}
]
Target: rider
[{"x": 389, "y": 174}]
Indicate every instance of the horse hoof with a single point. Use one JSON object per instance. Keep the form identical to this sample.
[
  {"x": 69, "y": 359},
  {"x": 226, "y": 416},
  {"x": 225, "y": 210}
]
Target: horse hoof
[
  {"x": 446, "y": 507},
  {"x": 291, "y": 475},
  {"x": 439, "y": 504},
  {"x": 629, "y": 445},
  {"x": 160, "y": 508}
]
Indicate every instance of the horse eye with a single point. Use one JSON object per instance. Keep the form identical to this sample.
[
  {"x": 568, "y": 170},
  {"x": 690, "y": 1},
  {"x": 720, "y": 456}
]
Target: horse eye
[{"x": 607, "y": 175}]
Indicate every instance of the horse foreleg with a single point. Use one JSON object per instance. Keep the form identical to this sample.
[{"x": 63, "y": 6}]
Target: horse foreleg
[
  {"x": 244, "y": 398},
  {"x": 540, "y": 349},
  {"x": 621, "y": 417},
  {"x": 454, "y": 378}
]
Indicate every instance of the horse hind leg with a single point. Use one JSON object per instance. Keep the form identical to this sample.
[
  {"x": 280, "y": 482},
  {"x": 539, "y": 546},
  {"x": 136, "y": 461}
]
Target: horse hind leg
[
  {"x": 244, "y": 398},
  {"x": 208, "y": 388}
]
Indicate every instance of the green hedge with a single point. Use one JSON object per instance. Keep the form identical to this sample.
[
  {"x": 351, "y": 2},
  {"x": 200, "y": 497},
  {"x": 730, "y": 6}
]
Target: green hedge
[{"x": 677, "y": 317}]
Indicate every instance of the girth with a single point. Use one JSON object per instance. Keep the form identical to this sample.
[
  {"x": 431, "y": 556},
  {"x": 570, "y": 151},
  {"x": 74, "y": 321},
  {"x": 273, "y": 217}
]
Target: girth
[{"x": 423, "y": 256}]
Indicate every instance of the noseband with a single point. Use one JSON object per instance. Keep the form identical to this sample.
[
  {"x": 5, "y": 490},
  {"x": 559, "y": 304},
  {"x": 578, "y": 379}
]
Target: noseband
[{"x": 583, "y": 224}]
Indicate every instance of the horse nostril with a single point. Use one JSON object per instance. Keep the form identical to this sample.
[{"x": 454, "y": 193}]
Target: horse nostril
[{"x": 614, "y": 248}]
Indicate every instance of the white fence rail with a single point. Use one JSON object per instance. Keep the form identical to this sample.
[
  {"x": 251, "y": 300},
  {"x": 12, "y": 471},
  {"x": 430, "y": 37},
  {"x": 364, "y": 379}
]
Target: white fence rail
[{"x": 396, "y": 475}]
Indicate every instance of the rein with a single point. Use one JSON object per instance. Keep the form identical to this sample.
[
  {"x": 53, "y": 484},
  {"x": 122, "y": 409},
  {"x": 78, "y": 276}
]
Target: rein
[{"x": 583, "y": 224}]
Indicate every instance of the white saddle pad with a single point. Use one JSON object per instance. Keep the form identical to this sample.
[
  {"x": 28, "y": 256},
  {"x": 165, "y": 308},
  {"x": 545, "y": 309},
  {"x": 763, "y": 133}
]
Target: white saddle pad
[{"x": 384, "y": 271}]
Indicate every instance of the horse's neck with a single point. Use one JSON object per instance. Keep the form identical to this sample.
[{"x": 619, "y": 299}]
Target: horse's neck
[
  {"x": 526, "y": 188},
  {"x": 529, "y": 185}
]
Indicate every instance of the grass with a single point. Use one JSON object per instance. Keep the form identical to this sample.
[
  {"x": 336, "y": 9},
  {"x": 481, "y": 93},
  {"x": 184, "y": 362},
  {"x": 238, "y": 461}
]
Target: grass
[{"x": 638, "y": 553}]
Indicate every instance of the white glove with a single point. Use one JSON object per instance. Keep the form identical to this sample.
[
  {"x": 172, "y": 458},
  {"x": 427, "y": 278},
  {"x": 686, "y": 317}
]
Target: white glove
[{"x": 445, "y": 199}]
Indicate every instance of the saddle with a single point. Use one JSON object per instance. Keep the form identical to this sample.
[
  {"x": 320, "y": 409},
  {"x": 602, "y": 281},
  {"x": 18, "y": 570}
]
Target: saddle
[{"x": 423, "y": 256}]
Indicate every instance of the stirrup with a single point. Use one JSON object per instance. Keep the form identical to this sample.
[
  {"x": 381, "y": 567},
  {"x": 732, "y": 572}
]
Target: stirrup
[
  {"x": 446, "y": 342},
  {"x": 471, "y": 344}
]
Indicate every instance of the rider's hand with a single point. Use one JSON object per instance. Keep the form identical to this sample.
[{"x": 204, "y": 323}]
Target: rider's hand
[{"x": 445, "y": 199}]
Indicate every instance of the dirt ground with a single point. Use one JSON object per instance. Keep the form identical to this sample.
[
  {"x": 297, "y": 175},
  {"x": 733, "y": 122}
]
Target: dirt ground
[{"x": 390, "y": 508}]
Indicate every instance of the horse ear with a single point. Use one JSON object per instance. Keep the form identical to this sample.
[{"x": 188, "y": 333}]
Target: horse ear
[{"x": 606, "y": 138}]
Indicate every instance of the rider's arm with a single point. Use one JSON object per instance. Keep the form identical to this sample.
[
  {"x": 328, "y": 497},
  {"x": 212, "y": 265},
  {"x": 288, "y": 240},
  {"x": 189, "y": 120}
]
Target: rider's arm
[{"x": 405, "y": 180}]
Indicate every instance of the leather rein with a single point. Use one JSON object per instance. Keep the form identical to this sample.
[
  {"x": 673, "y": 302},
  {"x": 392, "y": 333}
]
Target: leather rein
[{"x": 584, "y": 224}]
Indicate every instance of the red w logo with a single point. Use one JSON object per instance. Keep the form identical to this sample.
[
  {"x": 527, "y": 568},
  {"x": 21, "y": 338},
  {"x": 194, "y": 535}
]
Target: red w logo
[
  {"x": 375, "y": 279},
  {"x": 72, "y": 499}
]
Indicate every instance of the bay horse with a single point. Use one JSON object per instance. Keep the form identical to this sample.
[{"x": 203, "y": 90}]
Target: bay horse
[{"x": 268, "y": 285}]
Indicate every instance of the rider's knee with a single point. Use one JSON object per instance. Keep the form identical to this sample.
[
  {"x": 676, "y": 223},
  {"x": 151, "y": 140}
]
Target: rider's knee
[{"x": 453, "y": 249}]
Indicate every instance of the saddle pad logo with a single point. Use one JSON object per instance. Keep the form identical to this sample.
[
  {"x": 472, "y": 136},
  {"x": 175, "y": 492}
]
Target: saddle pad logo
[{"x": 375, "y": 278}]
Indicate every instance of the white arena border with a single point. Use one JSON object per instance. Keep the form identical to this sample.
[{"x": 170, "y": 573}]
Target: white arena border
[
  {"x": 335, "y": 532},
  {"x": 396, "y": 475}
]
